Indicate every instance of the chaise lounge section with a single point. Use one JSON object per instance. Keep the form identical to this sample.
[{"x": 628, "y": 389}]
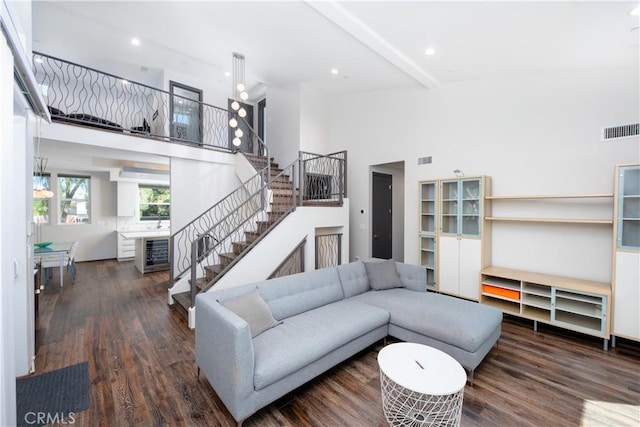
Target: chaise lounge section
[{"x": 255, "y": 343}]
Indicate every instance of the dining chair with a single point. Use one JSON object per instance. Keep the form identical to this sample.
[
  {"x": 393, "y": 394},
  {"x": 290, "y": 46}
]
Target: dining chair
[{"x": 69, "y": 262}]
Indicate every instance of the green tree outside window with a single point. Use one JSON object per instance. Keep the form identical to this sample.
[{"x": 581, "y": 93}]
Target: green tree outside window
[
  {"x": 154, "y": 203},
  {"x": 75, "y": 206}
]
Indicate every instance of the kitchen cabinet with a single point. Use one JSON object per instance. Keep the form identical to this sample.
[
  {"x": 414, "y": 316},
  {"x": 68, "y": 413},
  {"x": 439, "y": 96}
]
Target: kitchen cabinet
[
  {"x": 126, "y": 248},
  {"x": 127, "y": 199}
]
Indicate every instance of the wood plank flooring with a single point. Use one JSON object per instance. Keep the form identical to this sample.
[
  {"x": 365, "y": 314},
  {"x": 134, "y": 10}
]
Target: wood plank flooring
[{"x": 142, "y": 371}]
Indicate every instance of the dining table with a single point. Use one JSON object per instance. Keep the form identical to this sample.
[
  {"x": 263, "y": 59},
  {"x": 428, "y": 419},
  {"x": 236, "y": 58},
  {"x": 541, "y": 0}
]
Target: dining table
[{"x": 56, "y": 250}]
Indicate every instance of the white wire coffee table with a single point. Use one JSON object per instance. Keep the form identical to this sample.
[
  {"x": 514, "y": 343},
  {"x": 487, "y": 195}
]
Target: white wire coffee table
[{"x": 421, "y": 386}]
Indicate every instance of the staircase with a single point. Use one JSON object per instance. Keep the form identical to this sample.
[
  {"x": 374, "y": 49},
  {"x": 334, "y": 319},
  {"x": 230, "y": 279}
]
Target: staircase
[{"x": 281, "y": 203}]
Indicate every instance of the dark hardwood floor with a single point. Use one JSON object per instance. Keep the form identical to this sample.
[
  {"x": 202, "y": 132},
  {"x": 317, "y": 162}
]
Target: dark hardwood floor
[{"x": 142, "y": 371}]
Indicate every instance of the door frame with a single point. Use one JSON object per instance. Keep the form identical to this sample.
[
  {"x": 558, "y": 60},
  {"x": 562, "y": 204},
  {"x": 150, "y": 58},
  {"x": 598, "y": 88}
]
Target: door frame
[
  {"x": 390, "y": 177},
  {"x": 174, "y": 84}
]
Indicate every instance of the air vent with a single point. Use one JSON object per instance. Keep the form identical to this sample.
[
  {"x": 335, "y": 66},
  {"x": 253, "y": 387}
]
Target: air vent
[
  {"x": 624, "y": 131},
  {"x": 424, "y": 160}
]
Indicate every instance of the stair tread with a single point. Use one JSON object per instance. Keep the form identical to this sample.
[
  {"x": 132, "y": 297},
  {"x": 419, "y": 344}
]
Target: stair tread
[{"x": 183, "y": 298}]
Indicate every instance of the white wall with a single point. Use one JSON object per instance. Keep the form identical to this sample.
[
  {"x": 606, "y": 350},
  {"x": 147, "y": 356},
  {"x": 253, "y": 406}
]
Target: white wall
[
  {"x": 283, "y": 123},
  {"x": 536, "y": 134},
  {"x": 314, "y": 132},
  {"x": 98, "y": 238},
  {"x": 9, "y": 243},
  {"x": 264, "y": 258},
  {"x": 196, "y": 186}
]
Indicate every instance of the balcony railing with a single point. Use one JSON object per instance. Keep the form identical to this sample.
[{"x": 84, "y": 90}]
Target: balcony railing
[{"x": 81, "y": 95}]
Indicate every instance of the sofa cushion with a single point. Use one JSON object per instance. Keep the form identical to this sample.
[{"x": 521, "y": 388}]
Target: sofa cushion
[
  {"x": 383, "y": 275},
  {"x": 295, "y": 294},
  {"x": 464, "y": 324},
  {"x": 254, "y": 310},
  {"x": 354, "y": 279},
  {"x": 413, "y": 277},
  {"x": 305, "y": 338}
]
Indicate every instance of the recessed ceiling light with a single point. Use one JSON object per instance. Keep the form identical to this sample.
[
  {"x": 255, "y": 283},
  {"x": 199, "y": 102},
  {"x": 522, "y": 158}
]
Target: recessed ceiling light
[
  {"x": 334, "y": 71},
  {"x": 227, "y": 73},
  {"x": 39, "y": 60},
  {"x": 635, "y": 12},
  {"x": 125, "y": 82},
  {"x": 135, "y": 41},
  {"x": 429, "y": 51}
]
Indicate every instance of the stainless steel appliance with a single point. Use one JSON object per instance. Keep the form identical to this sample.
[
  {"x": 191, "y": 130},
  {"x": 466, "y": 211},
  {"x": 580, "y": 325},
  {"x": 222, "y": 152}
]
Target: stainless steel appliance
[{"x": 155, "y": 253}]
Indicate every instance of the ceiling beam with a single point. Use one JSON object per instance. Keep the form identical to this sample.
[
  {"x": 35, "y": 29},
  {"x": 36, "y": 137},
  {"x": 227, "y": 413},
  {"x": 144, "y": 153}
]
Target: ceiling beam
[{"x": 353, "y": 26}]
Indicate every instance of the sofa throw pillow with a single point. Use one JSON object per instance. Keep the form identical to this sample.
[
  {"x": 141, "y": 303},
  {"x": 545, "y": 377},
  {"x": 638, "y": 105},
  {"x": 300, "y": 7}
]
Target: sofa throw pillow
[
  {"x": 254, "y": 310},
  {"x": 383, "y": 275}
]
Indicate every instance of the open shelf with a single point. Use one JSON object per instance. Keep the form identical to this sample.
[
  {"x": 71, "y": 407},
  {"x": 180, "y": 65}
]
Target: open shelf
[
  {"x": 575, "y": 304},
  {"x": 506, "y": 306},
  {"x": 536, "y": 301},
  {"x": 551, "y": 196},
  {"x": 553, "y": 220}
]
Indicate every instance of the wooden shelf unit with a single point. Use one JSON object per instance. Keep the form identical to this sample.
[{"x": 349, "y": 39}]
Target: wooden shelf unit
[
  {"x": 575, "y": 304},
  {"x": 596, "y": 221}
]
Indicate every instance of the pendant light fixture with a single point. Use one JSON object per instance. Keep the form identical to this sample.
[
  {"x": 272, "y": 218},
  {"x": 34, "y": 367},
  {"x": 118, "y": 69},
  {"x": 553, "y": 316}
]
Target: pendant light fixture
[{"x": 238, "y": 94}]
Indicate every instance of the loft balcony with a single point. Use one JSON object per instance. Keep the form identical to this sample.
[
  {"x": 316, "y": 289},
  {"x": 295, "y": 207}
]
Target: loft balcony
[{"x": 83, "y": 96}]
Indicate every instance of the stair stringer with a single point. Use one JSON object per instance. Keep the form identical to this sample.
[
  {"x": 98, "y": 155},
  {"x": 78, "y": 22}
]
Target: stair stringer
[{"x": 270, "y": 251}]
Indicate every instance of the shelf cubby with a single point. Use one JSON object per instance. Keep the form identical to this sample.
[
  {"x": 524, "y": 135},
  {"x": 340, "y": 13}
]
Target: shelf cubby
[{"x": 575, "y": 304}]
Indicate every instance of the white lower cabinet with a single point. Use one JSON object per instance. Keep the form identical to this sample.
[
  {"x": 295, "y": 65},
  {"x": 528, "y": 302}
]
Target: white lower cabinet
[
  {"x": 626, "y": 308},
  {"x": 459, "y": 266},
  {"x": 126, "y": 248}
]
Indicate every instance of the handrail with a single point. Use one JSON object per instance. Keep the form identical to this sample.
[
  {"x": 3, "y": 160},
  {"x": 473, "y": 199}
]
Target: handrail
[
  {"x": 203, "y": 224},
  {"x": 235, "y": 230}
]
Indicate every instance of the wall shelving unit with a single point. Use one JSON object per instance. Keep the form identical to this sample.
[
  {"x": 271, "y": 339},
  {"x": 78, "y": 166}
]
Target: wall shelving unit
[
  {"x": 428, "y": 226},
  {"x": 556, "y": 220},
  {"x": 462, "y": 238},
  {"x": 575, "y": 304}
]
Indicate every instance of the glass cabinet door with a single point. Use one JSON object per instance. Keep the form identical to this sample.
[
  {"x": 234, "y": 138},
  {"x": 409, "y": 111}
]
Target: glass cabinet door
[
  {"x": 470, "y": 197},
  {"x": 428, "y": 221},
  {"x": 427, "y": 207},
  {"x": 629, "y": 208},
  {"x": 461, "y": 207},
  {"x": 449, "y": 209}
]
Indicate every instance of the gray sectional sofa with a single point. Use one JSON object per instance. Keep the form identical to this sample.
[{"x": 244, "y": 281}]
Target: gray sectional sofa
[{"x": 255, "y": 343}]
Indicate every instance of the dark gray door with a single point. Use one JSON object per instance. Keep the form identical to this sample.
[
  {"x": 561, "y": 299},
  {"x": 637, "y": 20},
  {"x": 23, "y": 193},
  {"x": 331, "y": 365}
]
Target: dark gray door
[{"x": 381, "y": 216}]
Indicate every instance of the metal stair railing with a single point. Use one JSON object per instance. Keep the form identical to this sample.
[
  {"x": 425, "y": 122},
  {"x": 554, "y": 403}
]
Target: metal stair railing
[
  {"x": 323, "y": 178},
  {"x": 205, "y": 223},
  {"x": 234, "y": 226}
]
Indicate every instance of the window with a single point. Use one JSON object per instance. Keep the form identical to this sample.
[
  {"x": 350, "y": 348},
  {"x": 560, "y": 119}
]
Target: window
[
  {"x": 42, "y": 198},
  {"x": 75, "y": 206},
  {"x": 154, "y": 202}
]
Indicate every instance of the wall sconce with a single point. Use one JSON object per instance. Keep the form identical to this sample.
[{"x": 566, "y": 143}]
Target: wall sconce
[{"x": 458, "y": 173}]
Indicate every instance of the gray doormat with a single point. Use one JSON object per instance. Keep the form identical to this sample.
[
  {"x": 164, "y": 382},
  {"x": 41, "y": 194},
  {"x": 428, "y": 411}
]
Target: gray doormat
[{"x": 53, "y": 397}]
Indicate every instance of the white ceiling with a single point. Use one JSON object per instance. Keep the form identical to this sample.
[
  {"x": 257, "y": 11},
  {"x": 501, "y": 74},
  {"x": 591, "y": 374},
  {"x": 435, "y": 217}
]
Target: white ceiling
[{"x": 373, "y": 44}]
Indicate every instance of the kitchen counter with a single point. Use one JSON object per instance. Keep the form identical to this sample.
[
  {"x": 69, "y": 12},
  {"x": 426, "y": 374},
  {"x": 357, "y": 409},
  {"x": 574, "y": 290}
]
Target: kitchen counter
[{"x": 130, "y": 235}]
